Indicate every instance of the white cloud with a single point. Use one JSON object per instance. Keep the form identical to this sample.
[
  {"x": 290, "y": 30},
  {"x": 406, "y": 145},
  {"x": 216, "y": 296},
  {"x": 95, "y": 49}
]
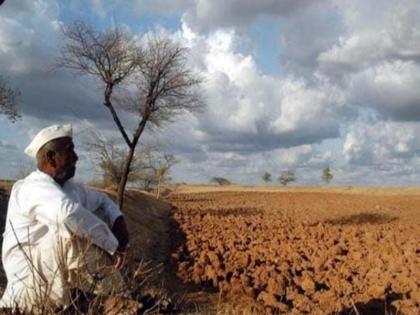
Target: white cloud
[
  {"x": 381, "y": 142},
  {"x": 376, "y": 60},
  {"x": 306, "y": 108},
  {"x": 250, "y": 111},
  {"x": 248, "y": 168},
  {"x": 336, "y": 57},
  {"x": 397, "y": 37},
  {"x": 391, "y": 88}
]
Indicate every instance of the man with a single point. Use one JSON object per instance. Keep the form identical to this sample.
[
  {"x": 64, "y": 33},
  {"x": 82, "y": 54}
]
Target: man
[{"x": 59, "y": 235}]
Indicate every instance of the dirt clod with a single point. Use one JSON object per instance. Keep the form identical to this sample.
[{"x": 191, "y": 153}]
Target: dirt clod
[{"x": 290, "y": 258}]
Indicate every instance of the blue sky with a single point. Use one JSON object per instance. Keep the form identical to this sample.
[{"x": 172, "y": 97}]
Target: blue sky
[{"x": 290, "y": 85}]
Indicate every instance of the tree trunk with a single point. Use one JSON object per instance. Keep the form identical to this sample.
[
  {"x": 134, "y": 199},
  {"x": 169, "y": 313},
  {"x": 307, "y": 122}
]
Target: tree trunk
[
  {"x": 124, "y": 176},
  {"x": 158, "y": 187},
  {"x": 128, "y": 160}
]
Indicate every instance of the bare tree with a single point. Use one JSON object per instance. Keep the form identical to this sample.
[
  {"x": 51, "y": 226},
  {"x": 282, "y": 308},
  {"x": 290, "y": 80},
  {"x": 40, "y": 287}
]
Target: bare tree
[
  {"x": 162, "y": 171},
  {"x": 149, "y": 168},
  {"x": 8, "y": 100},
  {"x": 161, "y": 83},
  {"x": 266, "y": 177},
  {"x": 326, "y": 175},
  {"x": 287, "y": 177},
  {"x": 221, "y": 181},
  {"x": 155, "y": 169},
  {"x": 110, "y": 160}
]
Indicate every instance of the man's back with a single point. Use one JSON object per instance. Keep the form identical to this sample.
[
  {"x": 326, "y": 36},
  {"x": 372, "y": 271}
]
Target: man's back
[
  {"x": 33, "y": 211},
  {"x": 39, "y": 209},
  {"x": 57, "y": 230}
]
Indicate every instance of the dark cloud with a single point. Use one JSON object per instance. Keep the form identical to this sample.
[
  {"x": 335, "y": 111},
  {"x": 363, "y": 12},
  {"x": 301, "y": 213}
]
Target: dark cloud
[
  {"x": 31, "y": 41},
  {"x": 213, "y": 14},
  {"x": 161, "y": 7},
  {"x": 305, "y": 35},
  {"x": 250, "y": 143},
  {"x": 391, "y": 88}
]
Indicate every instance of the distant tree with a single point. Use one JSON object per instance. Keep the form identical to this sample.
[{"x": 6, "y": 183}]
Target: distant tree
[
  {"x": 160, "y": 167},
  {"x": 221, "y": 181},
  {"x": 266, "y": 177},
  {"x": 8, "y": 100},
  {"x": 149, "y": 78},
  {"x": 286, "y": 177},
  {"x": 326, "y": 175},
  {"x": 110, "y": 161},
  {"x": 149, "y": 168}
]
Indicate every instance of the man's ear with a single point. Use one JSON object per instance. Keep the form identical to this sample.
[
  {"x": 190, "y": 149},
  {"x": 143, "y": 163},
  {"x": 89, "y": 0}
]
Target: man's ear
[{"x": 51, "y": 158}]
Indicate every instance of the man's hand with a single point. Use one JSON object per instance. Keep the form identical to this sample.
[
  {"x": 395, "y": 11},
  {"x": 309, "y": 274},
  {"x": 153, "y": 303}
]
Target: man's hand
[{"x": 119, "y": 230}]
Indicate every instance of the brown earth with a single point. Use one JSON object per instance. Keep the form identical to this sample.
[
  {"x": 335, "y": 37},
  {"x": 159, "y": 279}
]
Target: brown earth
[
  {"x": 303, "y": 251},
  {"x": 270, "y": 250}
]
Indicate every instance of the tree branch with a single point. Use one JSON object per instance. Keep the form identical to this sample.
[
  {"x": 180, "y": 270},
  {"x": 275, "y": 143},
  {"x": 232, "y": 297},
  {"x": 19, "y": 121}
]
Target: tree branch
[{"x": 108, "y": 104}]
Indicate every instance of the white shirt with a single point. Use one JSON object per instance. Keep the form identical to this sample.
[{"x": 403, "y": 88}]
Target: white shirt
[{"x": 37, "y": 205}]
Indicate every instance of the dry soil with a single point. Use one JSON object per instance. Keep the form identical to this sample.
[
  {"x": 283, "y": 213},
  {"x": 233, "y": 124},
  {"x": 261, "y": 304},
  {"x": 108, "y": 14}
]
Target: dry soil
[{"x": 303, "y": 251}]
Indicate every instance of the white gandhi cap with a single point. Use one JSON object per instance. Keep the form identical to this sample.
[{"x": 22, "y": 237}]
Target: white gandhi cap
[{"x": 46, "y": 135}]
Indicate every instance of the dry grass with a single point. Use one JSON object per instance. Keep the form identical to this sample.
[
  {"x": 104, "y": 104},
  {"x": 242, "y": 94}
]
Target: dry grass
[
  {"x": 142, "y": 297},
  {"x": 148, "y": 224}
]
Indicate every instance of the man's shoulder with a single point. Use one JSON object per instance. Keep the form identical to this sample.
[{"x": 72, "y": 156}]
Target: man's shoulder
[
  {"x": 34, "y": 182},
  {"x": 74, "y": 187},
  {"x": 72, "y": 184}
]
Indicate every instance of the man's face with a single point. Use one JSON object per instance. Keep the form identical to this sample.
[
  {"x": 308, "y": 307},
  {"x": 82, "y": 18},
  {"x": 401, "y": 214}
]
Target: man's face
[{"x": 65, "y": 160}]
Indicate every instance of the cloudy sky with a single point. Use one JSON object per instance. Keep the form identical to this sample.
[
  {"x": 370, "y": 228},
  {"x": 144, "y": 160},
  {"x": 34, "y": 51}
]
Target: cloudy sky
[{"x": 290, "y": 85}]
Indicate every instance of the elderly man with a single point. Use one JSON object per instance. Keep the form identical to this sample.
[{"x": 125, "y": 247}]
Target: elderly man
[{"x": 59, "y": 235}]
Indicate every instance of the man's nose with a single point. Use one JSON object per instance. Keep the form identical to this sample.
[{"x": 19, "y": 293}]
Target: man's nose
[{"x": 76, "y": 157}]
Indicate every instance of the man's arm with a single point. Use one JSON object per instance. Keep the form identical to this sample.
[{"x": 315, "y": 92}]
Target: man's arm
[
  {"x": 100, "y": 204},
  {"x": 52, "y": 207},
  {"x": 120, "y": 231},
  {"x": 85, "y": 224},
  {"x": 107, "y": 210}
]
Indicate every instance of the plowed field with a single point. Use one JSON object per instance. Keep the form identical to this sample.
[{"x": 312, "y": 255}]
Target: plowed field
[{"x": 303, "y": 252}]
